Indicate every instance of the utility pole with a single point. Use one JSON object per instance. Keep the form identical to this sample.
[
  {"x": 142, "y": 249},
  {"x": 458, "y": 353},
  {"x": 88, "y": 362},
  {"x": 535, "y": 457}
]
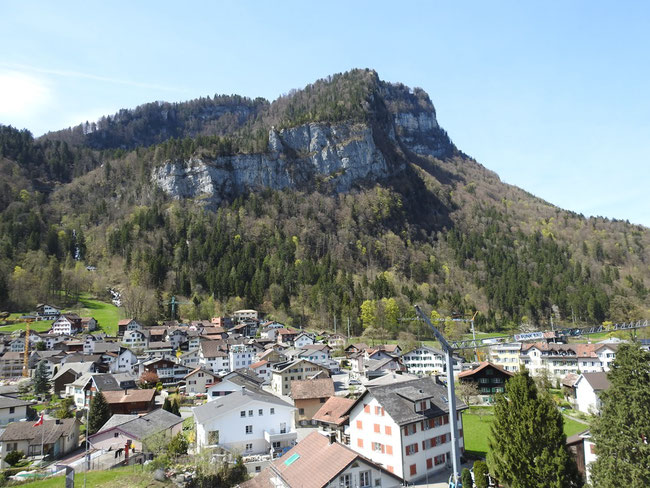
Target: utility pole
[{"x": 451, "y": 394}]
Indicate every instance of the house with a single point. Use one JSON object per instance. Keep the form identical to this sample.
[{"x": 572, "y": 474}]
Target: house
[
  {"x": 196, "y": 381},
  {"x": 12, "y": 410},
  {"x": 308, "y": 396},
  {"x": 355, "y": 348},
  {"x": 287, "y": 336},
  {"x": 242, "y": 315},
  {"x": 316, "y": 352},
  {"x": 212, "y": 356},
  {"x": 68, "y": 373},
  {"x": 135, "y": 339},
  {"x": 88, "y": 324},
  {"x": 159, "y": 349},
  {"x": 587, "y": 388},
  {"x": 225, "y": 322},
  {"x": 283, "y": 374},
  {"x": 130, "y": 401},
  {"x": 303, "y": 339},
  {"x": 11, "y": 365},
  {"x": 489, "y": 378},
  {"x": 58, "y": 437},
  {"x": 405, "y": 427},
  {"x": 68, "y": 324},
  {"x": 318, "y": 461},
  {"x": 190, "y": 359},
  {"x": 123, "y": 428},
  {"x": 333, "y": 415},
  {"x": 84, "y": 388},
  {"x": 168, "y": 370},
  {"x": 336, "y": 341},
  {"x": 424, "y": 360},
  {"x": 240, "y": 356},
  {"x": 263, "y": 370},
  {"x": 234, "y": 381},
  {"x": 245, "y": 421},
  {"x": 508, "y": 356},
  {"x": 46, "y": 312},
  {"x": 124, "y": 362},
  {"x": 583, "y": 450},
  {"x": 374, "y": 368},
  {"x": 127, "y": 324}
]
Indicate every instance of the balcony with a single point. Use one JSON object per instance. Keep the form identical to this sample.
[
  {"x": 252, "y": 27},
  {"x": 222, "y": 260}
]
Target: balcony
[{"x": 286, "y": 437}]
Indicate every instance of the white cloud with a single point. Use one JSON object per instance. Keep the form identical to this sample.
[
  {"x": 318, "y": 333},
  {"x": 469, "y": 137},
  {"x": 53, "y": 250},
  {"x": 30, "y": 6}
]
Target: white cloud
[{"x": 22, "y": 96}]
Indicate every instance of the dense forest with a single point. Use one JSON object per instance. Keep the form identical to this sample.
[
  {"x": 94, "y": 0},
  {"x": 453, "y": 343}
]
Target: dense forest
[{"x": 446, "y": 232}]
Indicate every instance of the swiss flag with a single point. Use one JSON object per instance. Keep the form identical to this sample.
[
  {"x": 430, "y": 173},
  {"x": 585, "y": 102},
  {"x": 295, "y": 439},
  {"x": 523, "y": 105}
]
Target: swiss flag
[{"x": 40, "y": 421}]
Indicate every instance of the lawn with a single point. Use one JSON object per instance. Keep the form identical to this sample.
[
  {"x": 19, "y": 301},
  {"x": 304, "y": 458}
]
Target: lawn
[
  {"x": 476, "y": 429},
  {"x": 106, "y": 314},
  {"x": 131, "y": 476}
]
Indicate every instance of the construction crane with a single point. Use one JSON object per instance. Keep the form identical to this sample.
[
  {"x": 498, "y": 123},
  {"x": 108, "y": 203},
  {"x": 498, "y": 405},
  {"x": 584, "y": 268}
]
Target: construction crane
[
  {"x": 450, "y": 346},
  {"x": 26, "y": 352}
]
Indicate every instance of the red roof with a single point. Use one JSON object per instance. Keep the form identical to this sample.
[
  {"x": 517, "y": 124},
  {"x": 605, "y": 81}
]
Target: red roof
[
  {"x": 334, "y": 410},
  {"x": 482, "y": 366}
]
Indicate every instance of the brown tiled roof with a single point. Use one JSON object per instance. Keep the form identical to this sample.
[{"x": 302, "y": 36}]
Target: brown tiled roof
[
  {"x": 334, "y": 410},
  {"x": 125, "y": 322},
  {"x": 306, "y": 389},
  {"x": 316, "y": 462},
  {"x": 258, "y": 364},
  {"x": 570, "y": 379},
  {"x": 113, "y": 397},
  {"x": 482, "y": 366},
  {"x": 212, "y": 348},
  {"x": 598, "y": 381}
]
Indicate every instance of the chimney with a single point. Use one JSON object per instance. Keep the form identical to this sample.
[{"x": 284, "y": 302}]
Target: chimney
[
  {"x": 243, "y": 390},
  {"x": 126, "y": 391}
]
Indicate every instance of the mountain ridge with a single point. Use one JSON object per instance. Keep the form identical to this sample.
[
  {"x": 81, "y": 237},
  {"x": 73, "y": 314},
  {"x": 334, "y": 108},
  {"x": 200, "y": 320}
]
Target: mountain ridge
[{"x": 366, "y": 199}]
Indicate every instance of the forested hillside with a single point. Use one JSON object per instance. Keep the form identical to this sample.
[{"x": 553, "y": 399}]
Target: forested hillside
[{"x": 435, "y": 228}]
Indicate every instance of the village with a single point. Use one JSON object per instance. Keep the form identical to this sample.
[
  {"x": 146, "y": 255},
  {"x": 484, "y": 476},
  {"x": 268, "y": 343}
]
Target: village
[{"x": 284, "y": 403}]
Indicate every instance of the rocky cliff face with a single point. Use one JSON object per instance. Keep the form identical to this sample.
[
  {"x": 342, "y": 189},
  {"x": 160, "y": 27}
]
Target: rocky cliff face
[
  {"x": 337, "y": 156},
  {"x": 331, "y": 156}
]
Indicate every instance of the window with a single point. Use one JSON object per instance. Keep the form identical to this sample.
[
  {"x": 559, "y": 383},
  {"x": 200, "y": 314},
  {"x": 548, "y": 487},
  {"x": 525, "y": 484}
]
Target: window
[
  {"x": 359, "y": 425},
  {"x": 411, "y": 449},
  {"x": 409, "y": 429},
  {"x": 366, "y": 408},
  {"x": 12, "y": 409},
  {"x": 301, "y": 411},
  {"x": 272, "y": 411},
  {"x": 277, "y": 445},
  {"x": 377, "y": 428},
  {"x": 365, "y": 479},
  {"x": 116, "y": 434},
  {"x": 250, "y": 413},
  {"x": 389, "y": 450},
  {"x": 249, "y": 429},
  {"x": 249, "y": 447},
  {"x": 258, "y": 469},
  {"x": 345, "y": 481},
  {"x": 429, "y": 463},
  {"x": 388, "y": 430},
  {"x": 360, "y": 442},
  {"x": 213, "y": 437},
  {"x": 242, "y": 413},
  {"x": 413, "y": 470},
  {"x": 439, "y": 459},
  {"x": 323, "y": 400},
  {"x": 377, "y": 447}
]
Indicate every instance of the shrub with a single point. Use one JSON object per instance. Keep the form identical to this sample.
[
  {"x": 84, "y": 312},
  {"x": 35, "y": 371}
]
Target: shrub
[
  {"x": 466, "y": 479},
  {"x": 480, "y": 474},
  {"x": 13, "y": 457}
]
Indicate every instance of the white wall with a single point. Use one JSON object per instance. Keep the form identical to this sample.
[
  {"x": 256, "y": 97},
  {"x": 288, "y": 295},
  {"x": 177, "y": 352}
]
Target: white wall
[
  {"x": 6, "y": 416},
  {"x": 586, "y": 398}
]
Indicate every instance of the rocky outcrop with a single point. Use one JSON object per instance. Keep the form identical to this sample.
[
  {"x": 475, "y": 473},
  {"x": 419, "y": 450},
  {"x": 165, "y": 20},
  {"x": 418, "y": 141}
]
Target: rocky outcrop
[{"x": 335, "y": 156}]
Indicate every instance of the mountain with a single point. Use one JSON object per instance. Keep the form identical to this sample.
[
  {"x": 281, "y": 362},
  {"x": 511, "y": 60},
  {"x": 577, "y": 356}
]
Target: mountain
[{"x": 343, "y": 200}]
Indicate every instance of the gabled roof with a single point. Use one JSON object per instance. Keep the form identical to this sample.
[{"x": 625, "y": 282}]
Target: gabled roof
[
  {"x": 140, "y": 427},
  {"x": 482, "y": 365},
  {"x": 49, "y": 430},
  {"x": 78, "y": 368},
  {"x": 432, "y": 350},
  {"x": 398, "y": 401},
  {"x": 258, "y": 364},
  {"x": 211, "y": 349},
  {"x": 308, "y": 389},
  {"x": 7, "y": 402},
  {"x": 334, "y": 411},
  {"x": 234, "y": 400},
  {"x": 598, "y": 381},
  {"x": 115, "y": 397},
  {"x": 194, "y": 371},
  {"x": 314, "y": 463}
]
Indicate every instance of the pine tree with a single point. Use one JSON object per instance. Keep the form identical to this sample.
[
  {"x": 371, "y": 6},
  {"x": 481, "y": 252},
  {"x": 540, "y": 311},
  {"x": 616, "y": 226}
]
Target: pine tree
[
  {"x": 175, "y": 408},
  {"x": 41, "y": 379},
  {"x": 466, "y": 478},
  {"x": 99, "y": 413},
  {"x": 167, "y": 404},
  {"x": 527, "y": 441},
  {"x": 622, "y": 432}
]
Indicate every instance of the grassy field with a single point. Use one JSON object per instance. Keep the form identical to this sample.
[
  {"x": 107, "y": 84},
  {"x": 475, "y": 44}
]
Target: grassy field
[
  {"x": 476, "y": 429},
  {"x": 106, "y": 314},
  {"x": 131, "y": 476}
]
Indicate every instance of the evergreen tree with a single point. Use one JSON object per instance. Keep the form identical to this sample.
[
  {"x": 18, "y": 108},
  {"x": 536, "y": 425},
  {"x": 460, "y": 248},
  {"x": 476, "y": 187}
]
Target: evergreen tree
[
  {"x": 480, "y": 474},
  {"x": 167, "y": 404},
  {"x": 99, "y": 413},
  {"x": 41, "y": 379},
  {"x": 527, "y": 441},
  {"x": 175, "y": 408},
  {"x": 466, "y": 478},
  {"x": 622, "y": 432}
]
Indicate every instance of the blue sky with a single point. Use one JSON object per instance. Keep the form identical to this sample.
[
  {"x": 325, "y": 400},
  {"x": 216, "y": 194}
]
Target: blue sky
[{"x": 553, "y": 96}]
